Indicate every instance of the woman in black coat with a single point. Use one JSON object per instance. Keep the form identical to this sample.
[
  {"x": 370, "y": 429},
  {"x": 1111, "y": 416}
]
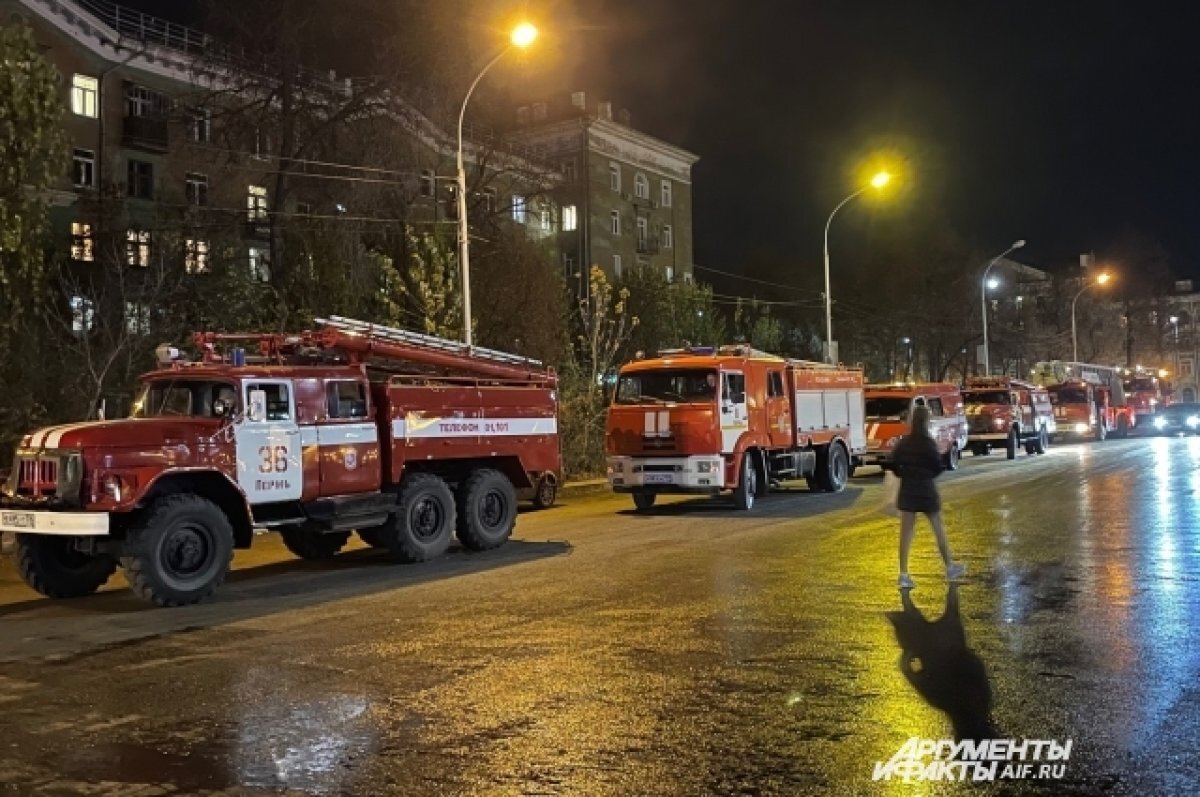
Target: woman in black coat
[{"x": 917, "y": 462}]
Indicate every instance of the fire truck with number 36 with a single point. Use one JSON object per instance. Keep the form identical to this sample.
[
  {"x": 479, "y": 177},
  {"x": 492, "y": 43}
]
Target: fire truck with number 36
[
  {"x": 704, "y": 420},
  {"x": 406, "y": 439}
]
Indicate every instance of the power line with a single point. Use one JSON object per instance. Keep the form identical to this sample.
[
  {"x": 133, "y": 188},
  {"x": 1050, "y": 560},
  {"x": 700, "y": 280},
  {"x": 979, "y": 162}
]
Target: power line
[{"x": 755, "y": 279}]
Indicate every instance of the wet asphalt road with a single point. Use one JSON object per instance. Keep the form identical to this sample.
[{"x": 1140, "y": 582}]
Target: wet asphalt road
[{"x": 690, "y": 651}]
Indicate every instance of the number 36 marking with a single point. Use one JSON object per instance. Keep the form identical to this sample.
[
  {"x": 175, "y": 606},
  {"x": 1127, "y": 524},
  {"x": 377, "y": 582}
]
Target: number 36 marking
[{"x": 272, "y": 459}]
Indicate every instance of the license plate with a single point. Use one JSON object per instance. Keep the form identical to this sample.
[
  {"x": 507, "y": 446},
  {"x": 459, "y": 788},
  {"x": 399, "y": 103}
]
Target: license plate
[
  {"x": 658, "y": 478},
  {"x": 18, "y": 520}
]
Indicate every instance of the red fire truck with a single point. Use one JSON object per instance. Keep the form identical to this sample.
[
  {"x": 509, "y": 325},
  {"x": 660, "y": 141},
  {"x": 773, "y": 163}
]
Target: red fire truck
[
  {"x": 1007, "y": 412},
  {"x": 1089, "y": 400},
  {"x": 406, "y": 438},
  {"x": 1145, "y": 391},
  {"x": 888, "y": 418},
  {"x": 703, "y": 420}
]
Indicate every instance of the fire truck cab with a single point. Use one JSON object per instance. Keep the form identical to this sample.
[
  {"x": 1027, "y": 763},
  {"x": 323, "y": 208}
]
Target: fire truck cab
[
  {"x": 706, "y": 420},
  {"x": 406, "y": 439},
  {"x": 1146, "y": 392},
  {"x": 1089, "y": 400},
  {"x": 1009, "y": 413},
  {"x": 888, "y": 410}
]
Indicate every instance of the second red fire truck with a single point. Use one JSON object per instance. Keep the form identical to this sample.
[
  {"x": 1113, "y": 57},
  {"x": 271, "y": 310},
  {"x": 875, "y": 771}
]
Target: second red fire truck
[
  {"x": 1089, "y": 400},
  {"x": 1007, "y": 413},
  {"x": 406, "y": 439},
  {"x": 705, "y": 420}
]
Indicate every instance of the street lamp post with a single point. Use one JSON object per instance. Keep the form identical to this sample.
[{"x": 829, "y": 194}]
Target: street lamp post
[
  {"x": 983, "y": 289},
  {"x": 878, "y": 181},
  {"x": 1100, "y": 280},
  {"x": 1175, "y": 324},
  {"x": 522, "y": 36}
]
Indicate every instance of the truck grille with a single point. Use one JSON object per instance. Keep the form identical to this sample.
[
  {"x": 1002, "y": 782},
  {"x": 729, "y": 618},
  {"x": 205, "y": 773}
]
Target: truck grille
[{"x": 46, "y": 475}]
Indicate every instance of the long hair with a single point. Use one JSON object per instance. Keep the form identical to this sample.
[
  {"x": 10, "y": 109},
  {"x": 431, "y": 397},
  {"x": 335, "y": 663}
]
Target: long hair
[{"x": 920, "y": 422}]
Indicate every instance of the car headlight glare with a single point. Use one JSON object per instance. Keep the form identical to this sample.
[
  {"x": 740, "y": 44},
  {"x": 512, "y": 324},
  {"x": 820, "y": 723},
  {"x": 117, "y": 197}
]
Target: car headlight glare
[
  {"x": 1080, "y": 428},
  {"x": 1160, "y": 423},
  {"x": 1193, "y": 421}
]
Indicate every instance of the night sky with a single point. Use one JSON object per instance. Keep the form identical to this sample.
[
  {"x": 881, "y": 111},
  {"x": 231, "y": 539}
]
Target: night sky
[{"x": 1068, "y": 124}]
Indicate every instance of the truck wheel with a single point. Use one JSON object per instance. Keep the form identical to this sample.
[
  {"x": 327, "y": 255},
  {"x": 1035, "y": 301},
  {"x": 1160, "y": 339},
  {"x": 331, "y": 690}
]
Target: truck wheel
[
  {"x": 546, "y": 491},
  {"x": 952, "y": 457},
  {"x": 1101, "y": 430},
  {"x": 1042, "y": 443},
  {"x": 311, "y": 544},
  {"x": 747, "y": 486},
  {"x": 373, "y": 536},
  {"x": 178, "y": 552},
  {"x": 423, "y": 524},
  {"x": 52, "y": 566},
  {"x": 487, "y": 510},
  {"x": 1010, "y": 445},
  {"x": 833, "y": 469},
  {"x": 643, "y": 500}
]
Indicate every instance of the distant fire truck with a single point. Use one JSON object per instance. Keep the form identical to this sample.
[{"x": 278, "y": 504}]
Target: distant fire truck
[
  {"x": 1008, "y": 413},
  {"x": 1089, "y": 400},
  {"x": 1145, "y": 391},
  {"x": 406, "y": 438},
  {"x": 889, "y": 409},
  {"x": 705, "y": 420}
]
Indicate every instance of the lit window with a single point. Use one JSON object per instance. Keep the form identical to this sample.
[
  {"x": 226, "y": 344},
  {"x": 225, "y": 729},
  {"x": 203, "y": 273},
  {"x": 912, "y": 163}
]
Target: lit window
[
  {"x": 256, "y": 203},
  {"x": 570, "y": 218},
  {"x": 666, "y": 194},
  {"x": 641, "y": 186},
  {"x": 614, "y": 177},
  {"x": 82, "y": 242},
  {"x": 83, "y": 95},
  {"x": 137, "y": 318},
  {"x": 668, "y": 237},
  {"x": 615, "y": 222},
  {"x": 195, "y": 256},
  {"x": 137, "y": 248},
  {"x": 83, "y": 314},
  {"x": 616, "y": 265},
  {"x": 84, "y": 168},
  {"x": 196, "y": 187},
  {"x": 518, "y": 208},
  {"x": 259, "y": 270}
]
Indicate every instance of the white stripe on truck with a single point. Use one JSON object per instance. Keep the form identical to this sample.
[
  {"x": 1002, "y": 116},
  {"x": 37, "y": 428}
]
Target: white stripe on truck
[{"x": 413, "y": 427}]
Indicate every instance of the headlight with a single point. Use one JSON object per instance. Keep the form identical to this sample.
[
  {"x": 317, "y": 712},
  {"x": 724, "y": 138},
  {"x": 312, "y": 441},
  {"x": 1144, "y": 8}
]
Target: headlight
[
  {"x": 1193, "y": 421},
  {"x": 1080, "y": 428},
  {"x": 113, "y": 487},
  {"x": 1160, "y": 423},
  {"x": 706, "y": 467},
  {"x": 997, "y": 422}
]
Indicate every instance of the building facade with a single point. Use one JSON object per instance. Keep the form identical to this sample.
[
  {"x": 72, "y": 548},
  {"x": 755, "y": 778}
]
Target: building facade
[{"x": 625, "y": 199}]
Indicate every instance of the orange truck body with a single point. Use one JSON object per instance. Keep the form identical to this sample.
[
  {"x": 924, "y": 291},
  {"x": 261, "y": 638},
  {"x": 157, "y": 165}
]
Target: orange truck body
[
  {"x": 1008, "y": 413},
  {"x": 1089, "y": 400},
  {"x": 707, "y": 420},
  {"x": 888, "y": 413}
]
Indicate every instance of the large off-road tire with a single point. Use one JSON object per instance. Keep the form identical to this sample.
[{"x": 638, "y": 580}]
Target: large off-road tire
[
  {"x": 487, "y": 510},
  {"x": 545, "y": 492},
  {"x": 952, "y": 457},
  {"x": 833, "y": 468},
  {"x": 643, "y": 500},
  {"x": 1042, "y": 443},
  {"x": 1010, "y": 445},
  {"x": 178, "y": 551},
  {"x": 374, "y": 536},
  {"x": 423, "y": 524},
  {"x": 51, "y": 565},
  {"x": 312, "y": 544},
  {"x": 746, "y": 490}
]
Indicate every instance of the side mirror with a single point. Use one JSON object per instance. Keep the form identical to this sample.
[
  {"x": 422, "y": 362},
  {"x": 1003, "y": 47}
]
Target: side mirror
[{"x": 221, "y": 408}]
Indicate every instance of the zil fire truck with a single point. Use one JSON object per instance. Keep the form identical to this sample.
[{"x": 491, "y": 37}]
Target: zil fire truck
[
  {"x": 1144, "y": 391},
  {"x": 1089, "y": 400},
  {"x": 408, "y": 439},
  {"x": 704, "y": 420},
  {"x": 888, "y": 419},
  {"x": 1009, "y": 413}
]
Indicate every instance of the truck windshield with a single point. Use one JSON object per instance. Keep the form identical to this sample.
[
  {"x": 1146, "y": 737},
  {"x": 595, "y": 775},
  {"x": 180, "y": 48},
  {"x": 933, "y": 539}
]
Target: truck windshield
[
  {"x": 184, "y": 397},
  {"x": 1141, "y": 383},
  {"x": 986, "y": 397},
  {"x": 888, "y": 407},
  {"x": 674, "y": 385},
  {"x": 1069, "y": 395}
]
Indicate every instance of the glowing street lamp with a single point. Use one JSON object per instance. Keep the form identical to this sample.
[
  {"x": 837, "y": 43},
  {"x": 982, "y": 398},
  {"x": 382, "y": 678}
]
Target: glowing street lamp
[
  {"x": 878, "y": 182},
  {"x": 991, "y": 284},
  {"x": 522, "y": 36},
  {"x": 1101, "y": 279}
]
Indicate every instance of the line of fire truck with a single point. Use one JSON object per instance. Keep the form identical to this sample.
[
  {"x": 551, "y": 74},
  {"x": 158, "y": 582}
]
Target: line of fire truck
[{"x": 408, "y": 440}]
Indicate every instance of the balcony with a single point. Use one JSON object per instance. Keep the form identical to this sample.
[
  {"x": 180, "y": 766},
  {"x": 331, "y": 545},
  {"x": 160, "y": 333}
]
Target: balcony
[
  {"x": 145, "y": 133},
  {"x": 648, "y": 245}
]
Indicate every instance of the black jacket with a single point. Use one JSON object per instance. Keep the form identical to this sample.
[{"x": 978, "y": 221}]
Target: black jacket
[{"x": 917, "y": 463}]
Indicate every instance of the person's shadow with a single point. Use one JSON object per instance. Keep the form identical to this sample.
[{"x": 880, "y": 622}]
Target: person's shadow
[{"x": 950, "y": 677}]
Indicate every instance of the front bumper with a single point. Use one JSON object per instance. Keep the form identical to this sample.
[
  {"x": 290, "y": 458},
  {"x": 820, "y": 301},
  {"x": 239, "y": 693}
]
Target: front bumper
[
  {"x": 699, "y": 474},
  {"x": 40, "y": 521},
  {"x": 877, "y": 458},
  {"x": 987, "y": 437}
]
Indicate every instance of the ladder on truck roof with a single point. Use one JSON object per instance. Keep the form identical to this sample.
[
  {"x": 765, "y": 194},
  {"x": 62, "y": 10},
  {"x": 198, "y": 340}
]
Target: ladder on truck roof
[{"x": 396, "y": 335}]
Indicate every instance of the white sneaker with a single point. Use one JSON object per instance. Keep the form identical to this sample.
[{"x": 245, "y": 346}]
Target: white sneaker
[
  {"x": 956, "y": 571},
  {"x": 905, "y": 581}
]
